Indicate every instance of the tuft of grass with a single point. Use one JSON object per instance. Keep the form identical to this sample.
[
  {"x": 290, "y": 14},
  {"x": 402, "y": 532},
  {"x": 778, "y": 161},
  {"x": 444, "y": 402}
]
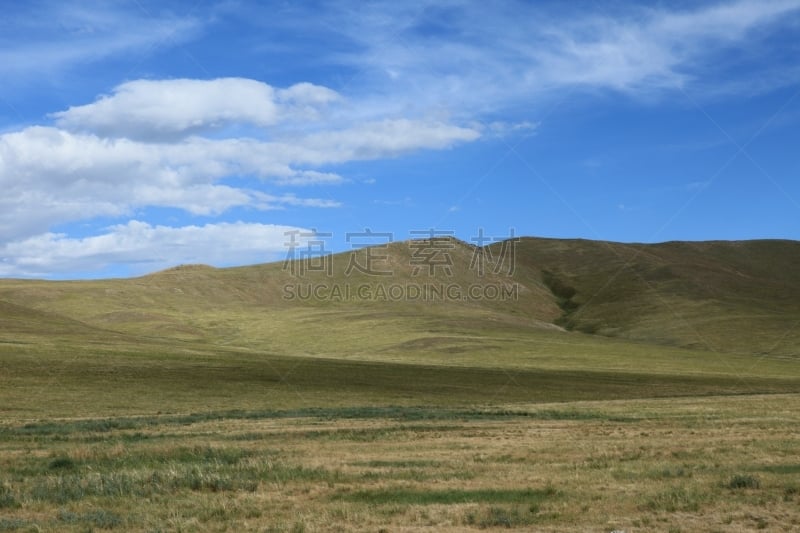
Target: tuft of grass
[
  {"x": 671, "y": 472},
  {"x": 743, "y": 481},
  {"x": 61, "y": 463},
  {"x": 8, "y": 499},
  {"x": 676, "y": 499},
  {"x": 508, "y": 517}
]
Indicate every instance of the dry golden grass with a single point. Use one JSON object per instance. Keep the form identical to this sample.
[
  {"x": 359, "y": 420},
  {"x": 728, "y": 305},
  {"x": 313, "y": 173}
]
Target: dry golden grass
[{"x": 712, "y": 464}]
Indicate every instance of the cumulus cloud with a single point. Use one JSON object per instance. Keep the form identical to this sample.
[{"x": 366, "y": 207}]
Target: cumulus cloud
[
  {"x": 149, "y": 247},
  {"x": 50, "y": 175},
  {"x": 172, "y": 109}
]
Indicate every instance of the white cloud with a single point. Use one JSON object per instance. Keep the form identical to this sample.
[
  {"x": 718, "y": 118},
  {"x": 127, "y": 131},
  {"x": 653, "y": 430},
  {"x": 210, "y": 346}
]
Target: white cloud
[
  {"x": 305, "y": 101},
  {"x": 490, "y": 57},
  {"x": 153, "y": 110},
  {"x": 657, "y": 49},
  {"x": 499, "y": 128},
  {"x": 147, "y": 246},
  {"x": 268, "y": 201},
  {"x": 384, "y": 138},
  {"x": 52, "y": 176},
  {"x": 724, "y": 21},
  {"x": 310, "y": 177},
  {"x": 39, "y": 40}
]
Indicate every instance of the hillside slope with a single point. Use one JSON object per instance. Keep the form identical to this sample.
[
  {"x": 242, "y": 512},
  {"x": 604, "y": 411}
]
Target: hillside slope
[
  {"x": 731, "y": 297},
  {"x": 721, "y": 296}
]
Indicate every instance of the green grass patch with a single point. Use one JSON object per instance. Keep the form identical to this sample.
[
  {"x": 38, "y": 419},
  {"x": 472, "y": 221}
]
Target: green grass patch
[
  {"x": 780, "y": 469},
  {"x": 99, "y": 518},
  {"x": 405, "y": 496},
  {"x": 402, "y": 413},
  {"x": 401, "y": 463},
  {"x": 17, "y": 524}
]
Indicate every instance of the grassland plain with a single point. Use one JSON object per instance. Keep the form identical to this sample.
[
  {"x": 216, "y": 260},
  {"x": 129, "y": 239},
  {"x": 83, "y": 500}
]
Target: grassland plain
[
  {"x": 710, "y": 464},
  {"x": 657, "y": 390}
]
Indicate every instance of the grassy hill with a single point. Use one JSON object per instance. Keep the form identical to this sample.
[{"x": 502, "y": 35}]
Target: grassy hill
[
  {"x": 733, "y": 297},
  {"x": 577, "y": 320},
  {"x": 597, "y": 386}
]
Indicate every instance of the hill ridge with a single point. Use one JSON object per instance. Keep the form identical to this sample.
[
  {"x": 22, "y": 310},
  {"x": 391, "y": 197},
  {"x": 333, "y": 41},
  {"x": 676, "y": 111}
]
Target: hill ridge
[{"x": 722, "y": 296}]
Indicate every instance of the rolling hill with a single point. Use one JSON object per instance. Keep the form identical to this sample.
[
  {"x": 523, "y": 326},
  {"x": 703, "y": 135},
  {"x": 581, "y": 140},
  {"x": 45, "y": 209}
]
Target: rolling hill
[
  {"x": 741, "y": 297},
  {"x": 738, "y": 297},
  {"x": 572, "y": 319}
]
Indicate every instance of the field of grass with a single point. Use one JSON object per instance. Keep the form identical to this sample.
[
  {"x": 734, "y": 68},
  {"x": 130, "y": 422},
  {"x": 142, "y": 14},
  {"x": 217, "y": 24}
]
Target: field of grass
[
  {"x": 711, "y": 464},
  {"x": 625, "y": 389},
  {"x": 183, "y": 436},
  {"x": 70, "y": 378}
]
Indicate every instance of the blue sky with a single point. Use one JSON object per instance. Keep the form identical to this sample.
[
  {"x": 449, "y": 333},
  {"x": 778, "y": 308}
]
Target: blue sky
[{"x": 136, "y": 135}]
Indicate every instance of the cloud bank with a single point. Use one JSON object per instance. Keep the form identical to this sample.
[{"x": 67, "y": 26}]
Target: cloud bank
[
  {"x": 146, "y": 247},
  {"x": 422, "y": 76},
  {"x": 172, "y": 144}
]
